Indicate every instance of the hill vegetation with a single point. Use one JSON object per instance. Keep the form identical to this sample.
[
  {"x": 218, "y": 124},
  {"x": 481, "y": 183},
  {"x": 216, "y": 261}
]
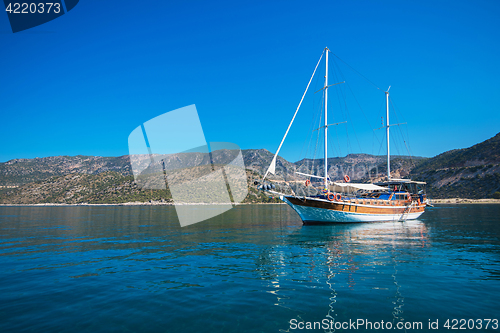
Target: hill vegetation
[
  {"x": 472, "y": 172},
  {"x": 109, "y": 187}
]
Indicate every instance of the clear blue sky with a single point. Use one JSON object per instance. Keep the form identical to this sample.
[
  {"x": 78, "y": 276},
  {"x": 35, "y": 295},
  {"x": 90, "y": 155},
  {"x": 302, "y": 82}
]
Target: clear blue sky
[{"x": 81, "y": 83}]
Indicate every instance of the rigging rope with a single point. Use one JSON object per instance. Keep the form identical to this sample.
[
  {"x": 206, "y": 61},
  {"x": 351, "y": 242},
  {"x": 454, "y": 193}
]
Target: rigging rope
[
  {"x": 317, "y": 140},
  {"x": 344, "y": 97},
  {"x": 312, "y": 127},
  {"x": 401, "y": 132},
  {"x": 355, "y": 71}
]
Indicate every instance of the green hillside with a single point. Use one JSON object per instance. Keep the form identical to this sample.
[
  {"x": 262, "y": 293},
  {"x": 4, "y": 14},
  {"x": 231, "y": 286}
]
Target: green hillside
[
  {"x": 472, "y": 172},
  {"x": 105, "y": 188}
]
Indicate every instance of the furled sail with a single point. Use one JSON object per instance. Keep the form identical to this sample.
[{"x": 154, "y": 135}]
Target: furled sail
[
  {"x": 352, "y": 187},
  {"x": 272, "y": 167}
]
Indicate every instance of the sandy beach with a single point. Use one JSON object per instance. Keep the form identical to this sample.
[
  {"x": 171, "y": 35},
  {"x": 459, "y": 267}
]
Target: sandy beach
[{"x": 465, "y": 201}]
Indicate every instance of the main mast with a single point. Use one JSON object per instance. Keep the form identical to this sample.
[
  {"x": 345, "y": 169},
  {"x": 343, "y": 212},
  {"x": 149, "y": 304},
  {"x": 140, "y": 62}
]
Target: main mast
[
  {"x": 387, "y": 134},
  {"x": 326, "y": 121}
]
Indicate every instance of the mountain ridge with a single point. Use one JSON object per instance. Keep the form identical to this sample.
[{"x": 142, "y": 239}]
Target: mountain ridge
[{"x": 472, "y": 172}]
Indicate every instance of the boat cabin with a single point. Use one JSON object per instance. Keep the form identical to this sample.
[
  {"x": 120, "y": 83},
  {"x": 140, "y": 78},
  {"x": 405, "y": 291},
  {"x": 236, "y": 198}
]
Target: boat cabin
[
  {"x": 415, "y": 188},
  {"x": 393, "y": 190}
]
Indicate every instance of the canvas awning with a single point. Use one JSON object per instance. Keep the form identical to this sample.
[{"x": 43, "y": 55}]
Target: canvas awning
[
  {"x": 353, "y": 187},
  {"x": 396, "y": 181}
]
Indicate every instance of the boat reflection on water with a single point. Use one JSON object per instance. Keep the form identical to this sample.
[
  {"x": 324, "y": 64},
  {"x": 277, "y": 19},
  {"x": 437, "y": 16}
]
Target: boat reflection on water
[{"x": 343, "y": 270}]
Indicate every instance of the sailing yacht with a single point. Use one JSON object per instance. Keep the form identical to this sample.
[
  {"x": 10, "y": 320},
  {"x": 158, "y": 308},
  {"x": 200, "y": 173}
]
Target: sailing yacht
[{"x": 345, "y": 202}]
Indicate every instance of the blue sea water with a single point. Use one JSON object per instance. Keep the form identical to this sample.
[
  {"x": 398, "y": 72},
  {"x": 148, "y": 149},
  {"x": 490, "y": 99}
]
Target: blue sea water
[{"x": 255, "y": 268}]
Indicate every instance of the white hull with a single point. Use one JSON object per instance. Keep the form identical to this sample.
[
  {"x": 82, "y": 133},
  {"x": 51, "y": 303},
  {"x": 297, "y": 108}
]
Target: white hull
[{"x": 322, "y": 215}]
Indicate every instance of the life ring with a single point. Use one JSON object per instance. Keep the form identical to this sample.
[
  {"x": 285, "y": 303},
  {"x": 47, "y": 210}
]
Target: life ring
[
  {"x": 347, "y": 179},
  {"x": 330, "y": 196},
  {"x": 338, "y": 197},
  {"x": 409, "y": 197},
  {"x": 308, "y": 182}
]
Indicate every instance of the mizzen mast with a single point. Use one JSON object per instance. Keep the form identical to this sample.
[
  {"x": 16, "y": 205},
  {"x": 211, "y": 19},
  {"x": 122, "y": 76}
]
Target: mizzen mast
[{"x": 387, "y": 125}]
